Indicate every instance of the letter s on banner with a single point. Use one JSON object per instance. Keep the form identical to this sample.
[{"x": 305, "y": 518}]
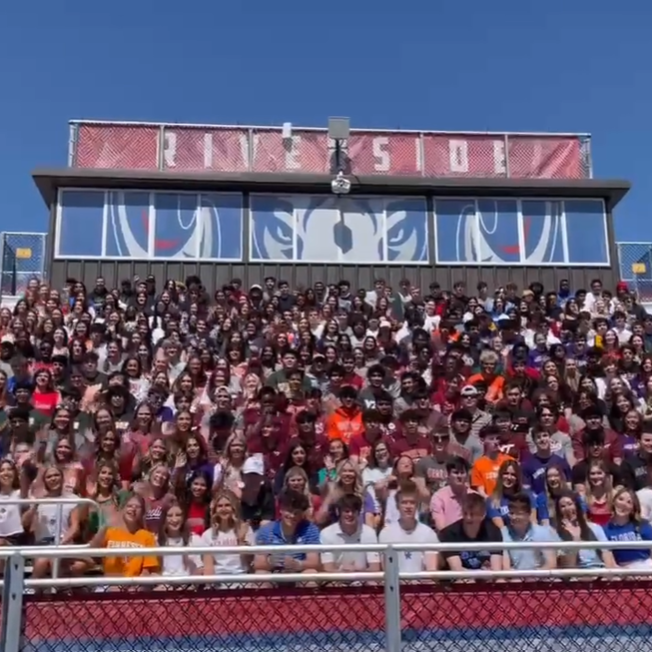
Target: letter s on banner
[
  {"x": 383, "y": 162},
  {"x": 458, "y": 151}
]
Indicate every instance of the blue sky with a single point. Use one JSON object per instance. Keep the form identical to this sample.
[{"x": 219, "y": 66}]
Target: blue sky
[{"x": 579, "y": 66}]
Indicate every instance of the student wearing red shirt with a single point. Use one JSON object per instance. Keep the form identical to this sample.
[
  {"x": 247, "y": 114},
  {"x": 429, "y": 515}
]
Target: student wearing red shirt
[
  {"x": 197, "y": 502},
  {"x": 45, "y": 398}
]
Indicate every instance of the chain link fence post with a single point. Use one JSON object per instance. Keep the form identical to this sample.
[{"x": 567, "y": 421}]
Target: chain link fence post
[
  {"x": 9, "y": 272},
  {"x": 392, "y": 601},
  {"x": 12, "y": 604}
]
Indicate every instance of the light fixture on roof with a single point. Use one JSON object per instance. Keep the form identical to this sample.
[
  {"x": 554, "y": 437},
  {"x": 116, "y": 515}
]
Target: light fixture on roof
[{"x": 286, "y": 131}]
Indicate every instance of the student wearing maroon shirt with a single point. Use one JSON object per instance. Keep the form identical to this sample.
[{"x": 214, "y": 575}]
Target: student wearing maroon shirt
[
  {"x": 593, "y": 419},
  {"x": 385, "y": 407},
  {"x": 268, "y": 440},
  {"x": 350, "y": 375},
  {"x": 513, "y": 440},
  {"x": 594, "y": 450},
  {"x": 410, "y": 441},
  {"x": 514, "y": 399},
  {"x": 316, "y": 446},
  {"x": 361, "y": 444}
]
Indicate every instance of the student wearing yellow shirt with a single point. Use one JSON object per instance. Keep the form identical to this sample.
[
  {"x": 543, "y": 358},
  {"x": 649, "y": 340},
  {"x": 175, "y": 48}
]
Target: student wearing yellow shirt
[{"x": 130, "y": 533}]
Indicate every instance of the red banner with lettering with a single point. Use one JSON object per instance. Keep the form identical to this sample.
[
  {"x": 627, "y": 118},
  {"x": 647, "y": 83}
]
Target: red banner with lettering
[{"x": 411, "y": 154}]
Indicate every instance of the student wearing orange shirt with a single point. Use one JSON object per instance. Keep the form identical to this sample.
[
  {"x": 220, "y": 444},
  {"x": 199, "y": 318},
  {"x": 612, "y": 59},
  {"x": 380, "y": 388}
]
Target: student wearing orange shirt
[
  {"x": 346, "y": 421},
  {"x": 130, "y": 533},
  {"x": 484, "y": 473},
  {"x": 488, "y": 375}
]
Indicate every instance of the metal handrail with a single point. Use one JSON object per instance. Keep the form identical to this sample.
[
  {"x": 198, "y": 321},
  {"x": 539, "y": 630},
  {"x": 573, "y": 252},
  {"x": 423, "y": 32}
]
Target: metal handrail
[
  {"x": 58, "y": 531},
  {"x": 308, "y": 578},
  {"x": 164, "y": 551},
  {"x": 185, "y": 125}
]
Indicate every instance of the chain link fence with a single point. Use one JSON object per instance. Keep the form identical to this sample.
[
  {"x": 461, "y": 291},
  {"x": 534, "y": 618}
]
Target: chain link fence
[
  {"x": 126, "y": 147},
  {"x": 562, "y": 616},
  {"x": 23, "y": 258},
  {"x": 635, "y": 263}
]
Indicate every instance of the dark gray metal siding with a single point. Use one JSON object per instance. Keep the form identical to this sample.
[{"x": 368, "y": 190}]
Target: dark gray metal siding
[{"x": 214, "y": 275}]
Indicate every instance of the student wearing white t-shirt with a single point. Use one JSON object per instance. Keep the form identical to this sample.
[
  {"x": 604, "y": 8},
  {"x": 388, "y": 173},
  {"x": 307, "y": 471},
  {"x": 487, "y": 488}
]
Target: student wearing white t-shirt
[
  {"x": 226, "y": 530},
  {"x": 349, "y": 530},
  {"x": 407, "y": 529},
  {"x": 12, "y": 532},
  {"x": 11, "y": 523},
  {"x": 175, "y": 534}
]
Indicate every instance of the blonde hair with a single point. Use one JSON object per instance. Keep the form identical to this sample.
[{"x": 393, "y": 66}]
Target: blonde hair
[
  {"x": 635, "y": 517},
  {"x": 233, "y": 438},
  {"x": 358, "y": 486},
  {"x": 294, "y": 471},
  {"x": 225, "y": 494},
  {"x": 488, "y": 356}
]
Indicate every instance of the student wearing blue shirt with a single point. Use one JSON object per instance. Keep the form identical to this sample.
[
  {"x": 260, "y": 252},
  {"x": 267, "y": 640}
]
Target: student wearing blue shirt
[
  {"x": 519, "y": 529},
  {"x": 626, "y": 525},
  {"x": 535, "y": 465},
  {"x": 291, "y": 528},
  {"x": 572, "y": 525},
  {"x": 555, "y": 484},
  {"x": 508, "y": 484}
]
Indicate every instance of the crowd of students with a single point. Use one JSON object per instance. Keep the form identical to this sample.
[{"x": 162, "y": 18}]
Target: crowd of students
[{"x": 271, "y": 415}]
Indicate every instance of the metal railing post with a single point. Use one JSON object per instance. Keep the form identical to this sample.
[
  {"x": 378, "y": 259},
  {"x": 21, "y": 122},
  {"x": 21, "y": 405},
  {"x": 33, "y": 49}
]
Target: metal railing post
[
  {"x": 251, "y": 150},
  {"x": 72, "y": 144},
  {"x": 507, "y": 171},
  {"x": 59, "y": 526},
  {"x": 422, "y": 153},
  {"x": 12, "y": 604},
  {"x": 161, "y": 148},
  {"x": 58, "y": 531},
  {"x": 392, "y": 601},
  {"x": 589, "y": 156}
]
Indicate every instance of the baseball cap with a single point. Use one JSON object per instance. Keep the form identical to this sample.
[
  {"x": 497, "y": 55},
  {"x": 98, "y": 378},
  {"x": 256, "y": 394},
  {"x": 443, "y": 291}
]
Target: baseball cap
[
  {"x": 469, "y": 390},
  {"x": 254, "y": 464}
]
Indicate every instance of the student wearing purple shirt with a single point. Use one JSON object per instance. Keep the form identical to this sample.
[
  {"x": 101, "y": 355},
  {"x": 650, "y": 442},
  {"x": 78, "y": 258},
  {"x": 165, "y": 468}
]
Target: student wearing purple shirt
[
  {"x": 535, "y": 465},
  {"x": 629, "y": 430},
  {"x": 539, "y": 354}
]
